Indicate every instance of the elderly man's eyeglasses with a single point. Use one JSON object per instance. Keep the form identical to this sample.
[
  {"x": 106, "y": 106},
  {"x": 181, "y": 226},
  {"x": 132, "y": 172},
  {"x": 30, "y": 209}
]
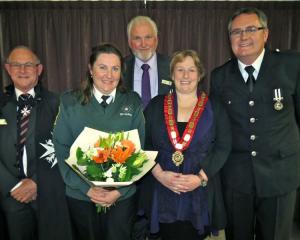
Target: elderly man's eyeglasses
[
  {"x": 248, "y": 30},
  {"x": 27, "y": 66}
]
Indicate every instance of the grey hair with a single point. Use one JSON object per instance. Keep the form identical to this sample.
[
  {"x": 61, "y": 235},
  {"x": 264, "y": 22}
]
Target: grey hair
[
  {"x": 138, "y": 20},
  {"x": 259, "y": 13},
  {"x": 25, "y": 48}
]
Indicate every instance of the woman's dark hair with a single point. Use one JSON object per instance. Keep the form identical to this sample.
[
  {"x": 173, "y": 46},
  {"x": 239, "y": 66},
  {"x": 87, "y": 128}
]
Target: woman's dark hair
[{"x": 87, "y": 84}]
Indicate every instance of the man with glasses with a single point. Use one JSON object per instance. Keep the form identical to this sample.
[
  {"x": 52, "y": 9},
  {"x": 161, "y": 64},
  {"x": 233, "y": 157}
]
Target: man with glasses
[
  {"x": 31, "y": 188},
  {"x": 261, "y": 92}
]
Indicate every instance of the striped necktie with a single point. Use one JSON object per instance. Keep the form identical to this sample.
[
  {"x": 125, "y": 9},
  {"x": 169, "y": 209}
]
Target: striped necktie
[{"x": 25, "y": 103}]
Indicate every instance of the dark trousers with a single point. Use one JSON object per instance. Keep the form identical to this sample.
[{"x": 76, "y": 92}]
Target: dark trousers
[
  {"x": 179, "y": 230},
  {"x": 22, "y": 224},
  {"x": 3, "y": 226},
  {"x": 115, "y": 224},
  {"x": 268, "y": 218}
]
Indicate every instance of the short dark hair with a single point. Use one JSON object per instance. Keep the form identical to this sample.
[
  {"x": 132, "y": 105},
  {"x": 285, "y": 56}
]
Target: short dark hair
[{"x": 259, "y": 13}]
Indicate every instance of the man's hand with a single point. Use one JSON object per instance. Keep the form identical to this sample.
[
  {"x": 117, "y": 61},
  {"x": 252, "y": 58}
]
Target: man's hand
[{"x": 26, "y": 192}]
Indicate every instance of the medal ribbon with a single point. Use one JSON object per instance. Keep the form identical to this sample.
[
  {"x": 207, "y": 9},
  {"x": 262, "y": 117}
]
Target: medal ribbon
[{"x": 180, "y": 144}]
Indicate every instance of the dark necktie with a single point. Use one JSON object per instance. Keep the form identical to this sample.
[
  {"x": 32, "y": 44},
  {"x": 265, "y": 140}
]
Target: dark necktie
[
  {"x": 25, "y": 104},
  {"x": 104, "y": 102},
  {"x": 250, "y": 80},
  {"x": 146, "y": 90}
]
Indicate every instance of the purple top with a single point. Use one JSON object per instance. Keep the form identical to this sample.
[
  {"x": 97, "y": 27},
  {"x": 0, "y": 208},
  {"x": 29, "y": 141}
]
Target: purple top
[{"x": 167, "y": 206}]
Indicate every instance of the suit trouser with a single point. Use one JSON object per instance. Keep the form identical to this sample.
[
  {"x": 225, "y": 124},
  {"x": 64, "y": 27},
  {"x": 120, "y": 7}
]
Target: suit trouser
[
  {"x": 269, "y": 218},
  {"x": 22, "y": 224},
  {"x": 179, "y": 230},
  {"x": 115, "y": 224},
  {"x": 3, "y": 227}
]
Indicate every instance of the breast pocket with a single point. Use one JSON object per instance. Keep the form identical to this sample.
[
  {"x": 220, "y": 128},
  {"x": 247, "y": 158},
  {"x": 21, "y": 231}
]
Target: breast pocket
[{"x": 233, "y": 102}]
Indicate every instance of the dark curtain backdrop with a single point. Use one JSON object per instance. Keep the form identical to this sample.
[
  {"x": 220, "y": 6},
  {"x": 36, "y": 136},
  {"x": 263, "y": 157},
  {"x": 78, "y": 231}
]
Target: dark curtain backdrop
[{"x": 62, "y": 33}]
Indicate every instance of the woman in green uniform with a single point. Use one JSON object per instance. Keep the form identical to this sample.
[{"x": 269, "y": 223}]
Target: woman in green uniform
[{"x": 103, "y": 104}]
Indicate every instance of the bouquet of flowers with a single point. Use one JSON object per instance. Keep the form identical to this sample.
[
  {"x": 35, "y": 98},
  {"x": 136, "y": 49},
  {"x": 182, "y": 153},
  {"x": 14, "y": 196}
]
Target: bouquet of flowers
[{"x": 109, "y": 159}]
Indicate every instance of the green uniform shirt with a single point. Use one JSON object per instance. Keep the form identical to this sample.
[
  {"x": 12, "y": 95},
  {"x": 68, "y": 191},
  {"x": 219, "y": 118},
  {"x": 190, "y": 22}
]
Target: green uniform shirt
[{"x": 124, "y": 114}]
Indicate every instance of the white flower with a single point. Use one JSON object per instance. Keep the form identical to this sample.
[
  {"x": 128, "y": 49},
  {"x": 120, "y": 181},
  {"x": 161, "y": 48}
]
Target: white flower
[
  {"x": 123, "y": 171},
  {"x": 113, "y": 168},
  {"x": 110, "y": 180},
  {"x": 108, "y": 173}
]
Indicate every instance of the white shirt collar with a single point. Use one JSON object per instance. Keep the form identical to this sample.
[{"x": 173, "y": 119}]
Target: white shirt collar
[
  {"x": 256, "y": 64},
  {"x": 98, "y": 95},
  {"x": 151, "y": 62},
  {"x": 19, "y": 92}
]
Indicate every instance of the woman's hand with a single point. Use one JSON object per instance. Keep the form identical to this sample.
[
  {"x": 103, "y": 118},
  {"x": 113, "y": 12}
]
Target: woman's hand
[
  {"x": 103, "y": 196},
  {"x": 166, "y": 178},
  {"x": 189, "y": 182}
]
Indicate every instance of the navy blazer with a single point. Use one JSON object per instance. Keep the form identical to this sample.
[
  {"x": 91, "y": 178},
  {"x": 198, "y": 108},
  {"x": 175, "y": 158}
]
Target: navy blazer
[
  {"x": 163, "y": 67},
  {"x": 265, "y": 156}
]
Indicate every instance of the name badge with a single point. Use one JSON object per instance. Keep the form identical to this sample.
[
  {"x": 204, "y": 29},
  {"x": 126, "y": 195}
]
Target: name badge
[
  {"x": 3, "y": 121},
  {"x": 166, "y": 82}
]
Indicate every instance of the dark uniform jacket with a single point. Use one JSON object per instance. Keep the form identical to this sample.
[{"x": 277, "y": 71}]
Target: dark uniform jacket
[
  {"x": 42, "y": 168},
  {"x": 265, "y": 156},
  {"x": 163, "y": 68}
]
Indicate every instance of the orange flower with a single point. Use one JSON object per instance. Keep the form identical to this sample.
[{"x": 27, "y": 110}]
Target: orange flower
[
  {"x": 102, "y": 155},
  {"x": 121, "y": 153}
]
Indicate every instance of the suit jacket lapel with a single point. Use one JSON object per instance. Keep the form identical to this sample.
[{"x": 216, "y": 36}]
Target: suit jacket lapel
[
  {"x": 10, "y": 113},
  {"x": 236, "y": 79},
  {"x": 130, "y": 73},
  {"x": 162, "y": 74}
]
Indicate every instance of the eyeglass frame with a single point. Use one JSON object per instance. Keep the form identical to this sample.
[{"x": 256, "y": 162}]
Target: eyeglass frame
[
  {"x": 27, "y": 65},
  {"x": 248, "y": 30}
]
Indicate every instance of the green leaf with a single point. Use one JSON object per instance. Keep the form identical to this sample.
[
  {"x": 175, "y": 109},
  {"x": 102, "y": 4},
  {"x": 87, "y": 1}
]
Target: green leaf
[
  {"x": 127, "y": 176},
  {"x": 94, "y": 172},
  {"x": 81, "y": 160}
]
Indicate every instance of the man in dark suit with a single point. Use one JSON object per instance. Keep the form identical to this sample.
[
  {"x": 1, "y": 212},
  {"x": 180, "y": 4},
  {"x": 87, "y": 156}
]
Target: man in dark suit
[
  {"x": 31, "y": 188},
  {"x": 261, "y": 92},
  {"x": 143, "y": 41}
]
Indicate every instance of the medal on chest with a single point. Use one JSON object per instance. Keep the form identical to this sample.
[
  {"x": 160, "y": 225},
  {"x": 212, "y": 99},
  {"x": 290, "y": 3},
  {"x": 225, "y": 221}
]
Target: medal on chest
[
  {"x": 278, "y": 105},
  {"x": 182, "y": 143}
]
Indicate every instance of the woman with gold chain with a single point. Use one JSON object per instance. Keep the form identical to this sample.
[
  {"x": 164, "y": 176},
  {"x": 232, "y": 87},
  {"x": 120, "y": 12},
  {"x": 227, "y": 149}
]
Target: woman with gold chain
[{"x": 192, "y": 135}]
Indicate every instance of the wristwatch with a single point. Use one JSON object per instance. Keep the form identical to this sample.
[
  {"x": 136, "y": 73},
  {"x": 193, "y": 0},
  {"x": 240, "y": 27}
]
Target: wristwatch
[{"x": 203, "y": 182}]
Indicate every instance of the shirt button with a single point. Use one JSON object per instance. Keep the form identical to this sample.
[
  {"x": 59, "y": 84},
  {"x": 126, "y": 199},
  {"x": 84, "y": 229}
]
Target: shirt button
[
  {"x": 253, "y": 153},
  {"x": 252, "y": 120},
  {"x": 251, "y": 103},
  {"x": 252, "y": 137}
]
